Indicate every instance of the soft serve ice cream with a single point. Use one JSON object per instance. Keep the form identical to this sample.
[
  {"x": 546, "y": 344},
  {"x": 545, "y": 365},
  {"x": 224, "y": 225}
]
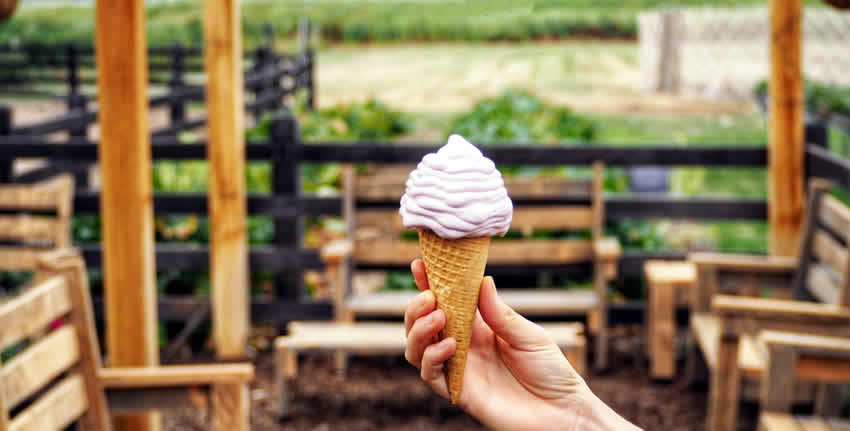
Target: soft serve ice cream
[
  {"x": 457, "y": 193},
  {"x": 456, "y": 199}
]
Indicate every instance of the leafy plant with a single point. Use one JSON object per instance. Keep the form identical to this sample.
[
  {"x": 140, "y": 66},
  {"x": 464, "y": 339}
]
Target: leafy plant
[{"x": 823, "y": 99}]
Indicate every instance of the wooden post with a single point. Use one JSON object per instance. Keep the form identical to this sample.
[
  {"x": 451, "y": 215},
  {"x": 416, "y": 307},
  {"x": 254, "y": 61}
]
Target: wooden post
[
  {"x": 126, "y": 200},
  {"x": 787, "y": 147},
  {"x": 226, "y": 154},
  {"x": 6, "y": 165},
  {"x": 286, "y": 182},
  {"x": 177, "y": 107}
]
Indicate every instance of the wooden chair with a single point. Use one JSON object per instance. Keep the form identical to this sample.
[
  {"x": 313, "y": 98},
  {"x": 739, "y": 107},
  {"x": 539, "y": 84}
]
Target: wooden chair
[
  {"x": 794, "y": 356},
  {"x": 726, "y": 327},
  {"x": 58, "y": 379},
  {"x": 29, "y": 233}
]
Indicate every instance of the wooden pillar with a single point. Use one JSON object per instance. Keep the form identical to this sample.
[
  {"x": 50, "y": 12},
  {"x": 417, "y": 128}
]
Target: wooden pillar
[
  {"x": 785, "y": 135},
  {"x": 126, "y": 200},
  {"x": 226, "y": 154}
]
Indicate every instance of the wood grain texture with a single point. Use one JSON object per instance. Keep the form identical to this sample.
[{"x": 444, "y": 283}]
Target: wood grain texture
[
  {"x": 661, "y": 327},
  {"x": 231, "y": 407},
  {"x": 744, "y": 262},
  {"x": 830, "y": 252},
  {"x": 126, "y": 200},
  {"x": 513, "y": 252},
  {"x": 777, "y": 389},
  {"x": 785, "y": 128},
  {"x": 36, "y": 366},
  {"x": 780, "y": 310},
  {"x": 822, "y": 284},
  {"x": 134, "y": 400},
  {"x": 176, "y": 375},
  {"x": 54, "y": 411},
  {"x": 33, "y": 311},
  {"x": 725, "y": 387},
  {"x": 835, "y": 216},
  {"x": 68, "y": 264},
  {"x": 226, "y": 154}
]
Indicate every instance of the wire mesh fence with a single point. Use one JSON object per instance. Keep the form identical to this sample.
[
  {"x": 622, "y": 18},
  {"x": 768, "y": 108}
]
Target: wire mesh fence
[{"x": 724, "y": 52}]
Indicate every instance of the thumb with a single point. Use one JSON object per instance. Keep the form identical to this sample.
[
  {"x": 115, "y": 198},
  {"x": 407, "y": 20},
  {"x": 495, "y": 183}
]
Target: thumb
[{"x": 506, "y": 323}]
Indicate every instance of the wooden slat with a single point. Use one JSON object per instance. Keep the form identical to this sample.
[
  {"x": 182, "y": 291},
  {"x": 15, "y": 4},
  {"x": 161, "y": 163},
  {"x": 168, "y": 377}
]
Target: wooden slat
[
  {"x": 527, "y": 302},
  {"x": 822, "y": 284},
  {"x": 33, "y": 310},
  {"x": 18, "y": 258},
  {"x": 835, "y": 216},
  {"x": 778, "y": 422},
  {"x": 830, "y": 251},
  {"x": 176, "y": 375},
  {"x": 814, "y": 424},
  {"x": 743, "y": 262},
  {"x": 26, "y": 227},
  {"x": 372, "y": 222},
  {"x": 388, "y": 182},
  {"x": 54, "y": 411},
  {"x": 231, "y": 407},
  {"x": 15, "y": 197},
  {"x": 512, "y": 252},
  {"x": 807, "y": 343},
  {"x": 31, "y": 370},
  {"x": 780, "y": 310}
]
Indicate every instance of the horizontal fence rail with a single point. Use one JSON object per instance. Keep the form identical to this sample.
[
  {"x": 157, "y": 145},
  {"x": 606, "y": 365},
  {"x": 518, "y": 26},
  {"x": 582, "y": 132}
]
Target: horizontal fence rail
[{"x": 287, "y": 256}]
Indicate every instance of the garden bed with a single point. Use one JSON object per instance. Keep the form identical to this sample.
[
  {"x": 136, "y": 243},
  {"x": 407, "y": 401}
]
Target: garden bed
[{"x": 386, "y": 393}]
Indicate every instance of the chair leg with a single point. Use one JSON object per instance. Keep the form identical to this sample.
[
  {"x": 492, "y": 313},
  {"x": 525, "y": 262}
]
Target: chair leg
[
  {"x": 286, "y": 369},
  {"x": 724, "y": 391},
  {"x": 340, "y": 363},
  {"x": 829, "y": 400},
  {"x": 600, "y": 362},
  {"x": 231, "y": 407}
]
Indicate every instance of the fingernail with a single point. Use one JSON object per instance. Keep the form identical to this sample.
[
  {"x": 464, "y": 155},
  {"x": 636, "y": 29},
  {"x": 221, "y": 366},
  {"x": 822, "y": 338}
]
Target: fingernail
[{"x": 490, "y": 282}]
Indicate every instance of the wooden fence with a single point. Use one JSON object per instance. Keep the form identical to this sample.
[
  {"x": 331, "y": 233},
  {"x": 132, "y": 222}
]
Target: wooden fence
[
  {"x": 270, "y": 77},
  {"x": 286, "y": 152}
]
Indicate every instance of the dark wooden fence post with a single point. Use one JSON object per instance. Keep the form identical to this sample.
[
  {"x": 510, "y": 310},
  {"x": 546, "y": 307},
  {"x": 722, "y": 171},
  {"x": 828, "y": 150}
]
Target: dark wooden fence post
[
  {"x": 177, "y": 105},
  {"x": 286, "y": 183},
  {"x": 5, "y": 130},
  {"x": 310, "y": 83},
  {"x": 261, "y": 62},
  {"x": 76, "y": 102},
  {"x": 275, "y": 60},
  {"x": 816, "y": 132}
]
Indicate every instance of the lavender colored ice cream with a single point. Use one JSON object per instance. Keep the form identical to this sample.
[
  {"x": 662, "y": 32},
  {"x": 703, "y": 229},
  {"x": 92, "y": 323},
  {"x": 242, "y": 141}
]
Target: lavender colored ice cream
[{"x": 457, "y": 193}]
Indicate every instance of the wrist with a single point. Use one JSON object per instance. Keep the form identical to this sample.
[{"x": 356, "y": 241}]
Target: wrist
[{"x": 595, "y": 415}]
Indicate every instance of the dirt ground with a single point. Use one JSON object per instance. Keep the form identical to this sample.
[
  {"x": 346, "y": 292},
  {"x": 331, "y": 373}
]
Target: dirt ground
[{"x": 386, "y": 393}]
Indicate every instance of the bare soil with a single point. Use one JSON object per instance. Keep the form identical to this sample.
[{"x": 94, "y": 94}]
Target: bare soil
[{"x": 386, "y": 393}]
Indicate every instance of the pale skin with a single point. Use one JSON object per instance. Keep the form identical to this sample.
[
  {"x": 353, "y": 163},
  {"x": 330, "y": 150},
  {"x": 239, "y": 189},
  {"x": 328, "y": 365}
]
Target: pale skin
[{"x": 516, "y": 378}]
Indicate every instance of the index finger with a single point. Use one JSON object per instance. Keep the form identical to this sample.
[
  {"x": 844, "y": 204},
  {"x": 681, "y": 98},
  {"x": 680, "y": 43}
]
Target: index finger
[{"x": 417, "y": 267}]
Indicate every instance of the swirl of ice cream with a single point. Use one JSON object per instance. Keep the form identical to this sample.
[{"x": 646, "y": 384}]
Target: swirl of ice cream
[{"x": 457, "y": 193}]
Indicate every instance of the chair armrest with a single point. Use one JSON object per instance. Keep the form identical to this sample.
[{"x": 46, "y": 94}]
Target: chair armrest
[
  {"x": 779, "y": 310},
  {"x": 335, "y": 252},
  {"x": 607, "y": 248},
  {"x": 175, "y": 375},
  {"x": 807, "y": 344},
  {"x": 744, "y": 262}
]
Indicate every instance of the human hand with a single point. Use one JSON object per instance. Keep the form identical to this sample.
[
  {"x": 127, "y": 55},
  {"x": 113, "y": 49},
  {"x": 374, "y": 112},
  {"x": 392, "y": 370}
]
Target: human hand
[{"x": 516, "y": 378}]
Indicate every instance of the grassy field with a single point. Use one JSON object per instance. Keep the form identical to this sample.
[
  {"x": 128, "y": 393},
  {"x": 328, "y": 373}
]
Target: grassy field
[{"x": 342, "y": 20}]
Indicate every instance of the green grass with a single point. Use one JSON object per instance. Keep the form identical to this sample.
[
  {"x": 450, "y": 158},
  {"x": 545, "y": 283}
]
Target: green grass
[{"x": 359, "y": 21}]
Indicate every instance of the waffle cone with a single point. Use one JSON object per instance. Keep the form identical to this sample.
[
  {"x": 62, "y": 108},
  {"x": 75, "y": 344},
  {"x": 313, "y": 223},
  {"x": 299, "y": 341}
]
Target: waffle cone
[{"x": 455, "y": 269}]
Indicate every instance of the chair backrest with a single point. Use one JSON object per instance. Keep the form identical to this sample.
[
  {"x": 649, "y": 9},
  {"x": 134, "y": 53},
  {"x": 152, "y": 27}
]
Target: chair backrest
[
  {"x": 822, "y": 275},
  {"x": 53, "y": 381},
  {"x": 379, "y": 233},
  {"x": 34, "y": 218}
]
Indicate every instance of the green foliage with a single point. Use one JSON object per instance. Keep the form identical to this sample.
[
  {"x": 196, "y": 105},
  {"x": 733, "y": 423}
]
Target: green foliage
[
  {"x": 400, "y": 280},
  {"x": 521, "y": 117},
  {"x": 341, "y": 20},
  {"x": 637, "y": 234},
  {"x": 821, "y": 98},
  {"x": 370, "y": 120}
]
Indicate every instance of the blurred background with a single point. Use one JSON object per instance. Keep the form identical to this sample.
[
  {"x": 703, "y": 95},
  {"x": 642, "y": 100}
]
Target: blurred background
[{"x": 599, "y": 72}]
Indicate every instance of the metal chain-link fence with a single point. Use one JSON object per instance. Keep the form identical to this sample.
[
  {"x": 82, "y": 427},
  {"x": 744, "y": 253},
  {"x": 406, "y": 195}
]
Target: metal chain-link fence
[{"x": 723, "y": 53}]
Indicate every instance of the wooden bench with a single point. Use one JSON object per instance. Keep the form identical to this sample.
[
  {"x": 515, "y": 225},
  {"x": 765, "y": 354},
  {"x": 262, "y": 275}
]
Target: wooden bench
[
  {"x": 664, "y": 279},
  {"x": 377, "y": 241},
  {"x": 382, "y": 338},
  {"x": 41, "y": 220},
  {"x": 726, "y": 327},
  {"x": 58, "y": 378}
]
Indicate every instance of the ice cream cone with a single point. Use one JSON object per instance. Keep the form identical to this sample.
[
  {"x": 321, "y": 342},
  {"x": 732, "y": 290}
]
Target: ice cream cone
[{"x": 455, "y": 269}]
